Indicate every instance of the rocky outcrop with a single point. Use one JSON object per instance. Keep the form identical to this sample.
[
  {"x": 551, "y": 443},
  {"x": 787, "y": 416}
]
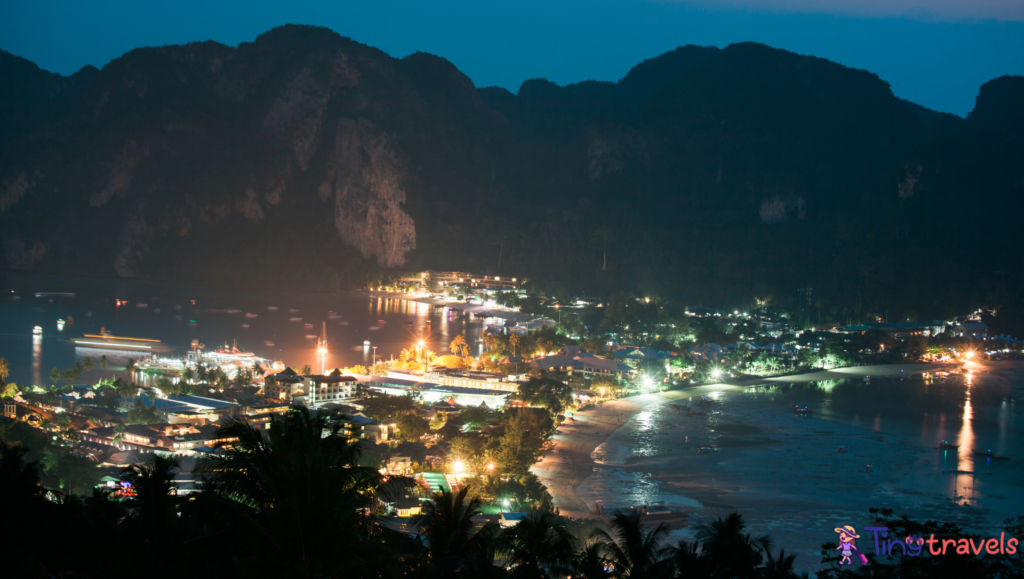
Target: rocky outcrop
[
  {"x": 366, "y": 174},
  {"x": 133, "y": 244},
  {"x": 12, "y": 190},
  {"x": 121, "y": 172},
  {"x": 22, "y": 255}
]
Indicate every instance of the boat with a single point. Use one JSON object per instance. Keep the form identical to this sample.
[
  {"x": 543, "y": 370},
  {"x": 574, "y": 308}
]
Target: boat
[
  {"x": 989, "y": 454},
  {"x": 268, "y": 344},
  {"x": 293, "y": 311},
  {"x": 704, "y": 450},
  {"x": 294, "y": 319},
  {"x": 245, "y": 325},
  {"x": 107, "y": 341},
  {"x": 37, "y": 331},
  {"x": 366, "y": 342},
  {"x": 374, "y": 328},
  {"x": 308, "y": 325},
  {"x": 803, "y": 410},
  {"x": 232, "y": 311},
  {"x": 55, "y": 294},
  {"x": 705, "y": 401},
  {"x": 311, "y": 336},
  {"x": 948, "y": 446},
  {"x": 251, "y": 315},
  {"x": 140, "y": 305},
  {"x": 232, "y": 354},
  {"x": 333, "y": 316},
  {"x": 272, "y": 308},
  {"x": 382, "y": 322}
]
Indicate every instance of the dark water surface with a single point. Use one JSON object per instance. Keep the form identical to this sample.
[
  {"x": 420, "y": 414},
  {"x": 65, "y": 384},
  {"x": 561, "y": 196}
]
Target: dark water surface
[{"x": 203, "y": 318}]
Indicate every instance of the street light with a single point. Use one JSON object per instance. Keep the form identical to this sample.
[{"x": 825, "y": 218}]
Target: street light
[
  {"x": 458, "y": 466},
  {"x": 374, "y": 360}
]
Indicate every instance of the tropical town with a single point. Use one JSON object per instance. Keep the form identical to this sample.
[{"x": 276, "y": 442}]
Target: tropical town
[{"x": 456, "y": 464}]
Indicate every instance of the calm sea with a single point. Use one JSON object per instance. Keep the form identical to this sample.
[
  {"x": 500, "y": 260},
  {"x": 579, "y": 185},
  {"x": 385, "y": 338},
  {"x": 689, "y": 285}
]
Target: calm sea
[{"x": 177, "y": 315}]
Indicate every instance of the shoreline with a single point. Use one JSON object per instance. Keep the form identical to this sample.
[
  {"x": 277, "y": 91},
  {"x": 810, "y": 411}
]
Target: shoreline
[{"x": 565, "y": 467}]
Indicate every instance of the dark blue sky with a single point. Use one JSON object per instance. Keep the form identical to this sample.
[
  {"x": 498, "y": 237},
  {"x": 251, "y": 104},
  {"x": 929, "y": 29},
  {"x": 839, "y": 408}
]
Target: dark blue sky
[{"x": 933, "y": 52}]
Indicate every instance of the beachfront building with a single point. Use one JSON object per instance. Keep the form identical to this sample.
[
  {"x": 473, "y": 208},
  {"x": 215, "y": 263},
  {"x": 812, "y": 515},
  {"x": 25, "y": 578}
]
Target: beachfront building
[
  {"x": 469, "y": 280},
  {"x": 977, "y": 330},
  {"x": 710, "y": 352},
  {"x": 433, "y": 392},
  {"x": 584, "y": 364}
]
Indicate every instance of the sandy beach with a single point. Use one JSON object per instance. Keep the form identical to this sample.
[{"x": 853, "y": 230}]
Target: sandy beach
[{"x": 796, "y": 476}]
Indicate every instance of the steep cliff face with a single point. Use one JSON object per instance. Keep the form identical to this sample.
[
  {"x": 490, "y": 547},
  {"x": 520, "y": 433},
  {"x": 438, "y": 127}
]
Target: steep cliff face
[
  {"x": 702, "y": 172},
  {"x": 171, "y": 144},
  {"x": 365, "y": 173}
]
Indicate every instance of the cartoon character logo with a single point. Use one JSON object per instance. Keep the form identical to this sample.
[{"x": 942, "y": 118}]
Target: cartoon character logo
[{"x": 848, "y": 545}]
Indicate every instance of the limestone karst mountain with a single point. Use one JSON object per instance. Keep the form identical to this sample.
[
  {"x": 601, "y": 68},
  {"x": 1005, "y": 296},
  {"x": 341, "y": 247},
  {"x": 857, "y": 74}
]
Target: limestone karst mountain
[{"x": 305, "y": 159}]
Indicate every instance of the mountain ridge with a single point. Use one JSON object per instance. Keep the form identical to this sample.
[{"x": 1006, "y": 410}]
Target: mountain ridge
[{"x": 325, "y": 160}]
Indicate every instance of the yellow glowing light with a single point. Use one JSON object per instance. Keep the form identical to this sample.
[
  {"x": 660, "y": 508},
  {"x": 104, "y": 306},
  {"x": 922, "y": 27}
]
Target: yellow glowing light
[{"x": 459, "y": 466}]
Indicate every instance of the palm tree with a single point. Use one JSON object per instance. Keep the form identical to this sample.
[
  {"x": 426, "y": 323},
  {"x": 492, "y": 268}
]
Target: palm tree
[
  {"x": 155, "y": 496},
  {"x": 513, "y": 342},
  {"x": 87, "y": 364},
  {"x": 779, "y": 568},
  {"x": 591, "y": 562},
  {"x": 539, "y": 546},
  {"x": 103, "y": 361},
  {"x": 298, "y": 490},
  {"x": 453, "y": 547},
  {"x": 19, "y": 480},
  {"x": 129, "y": 366},
  {"x": 5, "y": 370},
  {"x": 689, "y": 560},
  {"x": 118, "y": 434},
  {"x": 459, "y": 347},
  {"x": 636, "y": 552},
  {"x": 730, "y": 551}
]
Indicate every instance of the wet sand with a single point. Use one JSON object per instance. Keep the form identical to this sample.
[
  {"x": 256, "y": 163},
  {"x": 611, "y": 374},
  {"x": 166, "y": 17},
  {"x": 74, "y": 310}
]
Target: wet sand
[{"x": 784, "y": 472}]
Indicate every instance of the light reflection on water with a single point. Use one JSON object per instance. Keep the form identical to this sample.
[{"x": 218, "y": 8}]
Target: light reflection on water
[
  {"x": 914, "y": 413},
  {"x": 171, "y": 313}
]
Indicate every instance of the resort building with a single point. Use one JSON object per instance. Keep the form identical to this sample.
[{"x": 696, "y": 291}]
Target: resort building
[
  {"x": 433, "y": 392},
  {"x": 583, "y": 363},
  {"x": 313, "y": 391}
]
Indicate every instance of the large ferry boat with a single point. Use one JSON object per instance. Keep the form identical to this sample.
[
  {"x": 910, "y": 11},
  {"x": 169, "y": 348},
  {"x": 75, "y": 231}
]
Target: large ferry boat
[
  {"x": 107, "y": 341},
  {"x": 232, "y": 354}
]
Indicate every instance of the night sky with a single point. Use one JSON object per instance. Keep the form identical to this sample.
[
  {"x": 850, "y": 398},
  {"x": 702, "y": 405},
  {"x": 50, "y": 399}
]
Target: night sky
[{"x": 933, "y": 52}]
